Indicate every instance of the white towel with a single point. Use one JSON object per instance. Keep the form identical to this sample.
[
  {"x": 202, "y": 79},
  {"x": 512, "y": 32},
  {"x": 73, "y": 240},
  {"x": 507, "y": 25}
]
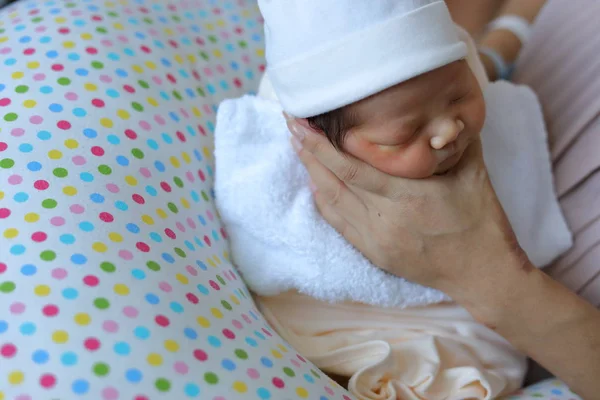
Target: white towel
[{"x": 279, "y": 241}]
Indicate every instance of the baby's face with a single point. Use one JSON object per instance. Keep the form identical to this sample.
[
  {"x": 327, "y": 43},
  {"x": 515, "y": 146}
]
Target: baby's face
[{"x": 420, "y": 127}]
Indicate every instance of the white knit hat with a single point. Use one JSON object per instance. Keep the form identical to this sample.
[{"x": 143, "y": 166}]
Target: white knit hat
[{"x": 325, "y": 54}]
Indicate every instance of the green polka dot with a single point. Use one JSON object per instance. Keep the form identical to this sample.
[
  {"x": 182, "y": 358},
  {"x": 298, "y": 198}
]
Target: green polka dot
[
  {"x": 148, "y": 20},
  {"x": 137, "y": 153},
  {"x": 289, "y": 372},
  {"x": 108, "y": 267},
  {"x": 226, "y": 305},
  {"x": 101, "y": 303},
  {"x": 7, "y": 163},
  {"x": 315, "y": 373},
  {"x": 97, "y": 65},
  {"x": 101, "y": 29},
  {"x": 104, "y": 169},
  {"x": 10, "y": 117},
  {"x": 7, "y": 287},
  {"x": 70, "y": 5},
  {"x": 221, "y": 280},
  {"x": 60, "y": 172},
  {"x": 153, "y": 266},
  {"x": 112, "y": 14},
  {"x": 243, "y": 44},
  {"x": 241, "y": 354},
  {"x": 49, "y": 203},
  {"x": 22, "y": 89},
  {"x": 176, "y": 18},
  {"x": 211, "y": 378},
  {"x": 201, "y": 92},
  {"x": 173, "y": 208},
  {"x": 212, "y": 38},
  {"x": 37, "y": 19},
  {"x": 47, "y": 255},
  {"x": 64, "y": 81},
  {"x": 205, "y": 196},
  {"x": 137, "y": 106},
  {"x": 162, "y": 385},
  {"x": 180, "y": 252},
  {"x": 143, "y": 84},
  {"x": 177, "y": 95},
  {"x": 101, "y": 369},
  {"x": 204, "y": 56},
  {"x": 178, "y": 182}
]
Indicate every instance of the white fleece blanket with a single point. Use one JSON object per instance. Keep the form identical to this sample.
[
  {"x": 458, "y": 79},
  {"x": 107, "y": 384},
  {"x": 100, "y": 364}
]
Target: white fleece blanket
[{"x": 279, "y": 241}]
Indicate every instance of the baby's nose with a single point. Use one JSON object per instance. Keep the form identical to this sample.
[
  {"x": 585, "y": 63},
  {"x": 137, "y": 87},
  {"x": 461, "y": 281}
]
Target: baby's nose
[{"x": 446, "y": 132}]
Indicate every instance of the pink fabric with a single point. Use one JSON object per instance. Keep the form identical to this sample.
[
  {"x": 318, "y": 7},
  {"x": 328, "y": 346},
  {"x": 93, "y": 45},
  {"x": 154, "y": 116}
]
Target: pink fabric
[{"x": 561, "y": 63}]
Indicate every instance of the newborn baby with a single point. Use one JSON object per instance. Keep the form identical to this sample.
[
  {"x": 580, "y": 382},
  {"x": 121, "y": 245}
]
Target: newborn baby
[{"x": 394, "y": 84}]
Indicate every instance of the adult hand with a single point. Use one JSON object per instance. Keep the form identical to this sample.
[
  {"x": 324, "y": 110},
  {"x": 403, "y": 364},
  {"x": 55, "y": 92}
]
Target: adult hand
[{"x": 434, "y": 231}]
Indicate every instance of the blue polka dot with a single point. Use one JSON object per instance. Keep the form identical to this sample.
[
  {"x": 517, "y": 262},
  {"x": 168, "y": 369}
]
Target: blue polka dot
[
  {"x": 202, "y": 289},
  {"x": 309, "y": 378},
  {"x": 266, "y": 362},
  {"x": 21, "y": 197},
  {"x": 251, "y": 342},
  {"x": 202, "y": 220},
  {"x": 141, "y": 333},
  {"x": 152, "y": 144},
  {"x": 195, "y": 196},
  {"x": 25, "y": 148},
  {"x": 168, "y": 258},
  {"x": 86, "y": 226},
  {"x": 263, "y": 393},
  {"x": 190, "y": 333},
  {"x": 70, "y": 293},
  {"x": 45, "y": 39},
  {"x": 191, "y": 390},
  {"x": 34, "y": 166},
  {"x": 323, "y": 398},
  {"x": 86, "y": 177},
  {"x": 176, "y": 307},
  {"x": 79, "y": 112},
  {"x": 67, "y": 238},
  {"x": 3, "y": 326},
  {"x": 80, "y": 386},
  {"x": 159, "y": 166},
  {"x": 17, "y": 249},
  {"x": 78, "y": 259},
  {"x": 155, "y": 237},
  {"x": 27, "y": 328},
  {"x": 557, "y": 392},
  {"x": 121, "y": 205},
  {"x": 152, "y": 298},
  {"x": 228, "y": 364},
  {"x": 97, "y": 198},
  {"x": 44, "y": 135},
  {"x": 121, "y": 72},
  {"x": 73, "y": 56},
  {"x": 90, "y": 133},
  {"x": 197, "y": 155},
  {"x": 122, "y": 160},
  {"x": 81, "y": 71},
  {"x": 46, "y": 89},
  {"x": 10, "y": 61},
  {"x": 133, "y": 375},
  {"x": 113, "y": 139},
  {"x": 2, "y": 86},
  {"x": 214, "y": 341},
  {"x": 167, "y": 138},
  {"x": 55, "y": 107},
  {"x": 122, "y": 348},
  {"x": 68, "y": 359},
  {"x": 40, "y": 356},
  {"x": 28, "y": 269},
  {"x": 52, "y": 54},
  {"x": 151, "y": 191},
  {"x": 138, "y": 274},
  {"x": 112, "y": 93},
  {"x": 114, "y": 57},
  {"x": 133, "y": 228}
]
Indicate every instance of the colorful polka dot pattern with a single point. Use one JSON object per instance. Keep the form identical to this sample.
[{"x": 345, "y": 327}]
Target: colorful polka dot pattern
[
  {"x": 115, "y": 282},
  {"x": 548, "y": 390}
]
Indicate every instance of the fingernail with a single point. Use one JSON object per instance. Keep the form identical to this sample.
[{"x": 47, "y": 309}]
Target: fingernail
[
  {"x": 312, "y": 186},
  {"x": 296, "y": 144},
  {"x": 296, "y": 130}
]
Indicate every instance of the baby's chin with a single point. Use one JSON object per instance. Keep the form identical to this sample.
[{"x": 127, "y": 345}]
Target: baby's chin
[{"x": 448, "y": 163}]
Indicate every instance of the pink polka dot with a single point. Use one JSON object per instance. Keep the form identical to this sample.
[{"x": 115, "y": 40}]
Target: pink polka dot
[
  {"x": 145, "y": 172},
  {"x": 297, "y": 355},
  {"x": 105, "y": 79},
  {"x": 106, "y": 42},
  {"x": 17, "y": 132},
  {"x": 329, "y": 390},
  {"x": 192, "y": 271},
  {"x": 200, "y": 355},
  {"x": 15, "y": 179},
  {"x": 3, "y": 146},
  {"x": 64, "y": 125},
  {"x": 110, "y": 326},
  {"x": 39, "y": 236},
  {"x": 145, "y": 125},
  {"x": 78, "y": 160},
  {"x": 39, "y": 77},
  {"x": 184, "y": 113},
  {"x": 219, "y": 398},
  {"x": 23, "y": 397},
  {"x": 91, "y": 280},
  {"x": 189, "y": 176},
  {"x": 8, "y": 350},
  {"x": 41, "y": 184},
  {"x": 159, "y": 120},
  {"x": 4, "y": 212},
  {"x": 110, "y": 393},
  {"x": 237, "y": 324},
  {"x": 210, "y": 215},
  {"x": 106, "y": 217},
  {"x": 77, "y": 209},
  {"x": 130, "y": 133},
  {"x": 59, "y": 273},
  {"x": 246, "y": 318},
  {"x": 40, "y": 29},
  {"x": 346, "y": 397},
  {"x": 278, "y": 383},
  {"x": 181, "y": 367},
  {"x": 50, "y": 310},
  {"x": 111, "y": 187},
  {"x": 157, "y": 80},
  {"x": 91, "y": 344},
  {"x": 130, "y": 312},
  {"x": 4, "y": 102},
  {"x": 5, "y": 50},
  {"x": 165, "y": 287},
  {"x": 252, "y": 373},
  {"x": 36, "y": 119},
  {"x": 296, "y": 363},
  {"x": 2, "y": 267},
  {"x": 228, "y": 334},
  {"x": 57, "y": 221},
  {"x": 47, "y": 381},
  {"x": 71, "y": 96},
  {"x": 191, "y": 223},
  {"x": 125, "y": 255},
  {"x": 180, "y": 226},
  {"x": 17, "y": 308},
  {"x": 192, "y": 298},
  {"x": 162, "y": 321}
]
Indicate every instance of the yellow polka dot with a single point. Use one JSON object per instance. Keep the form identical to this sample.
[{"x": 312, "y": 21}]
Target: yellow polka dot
[
  {"x": 171, "y": 346},
  {"x": 115, "y": 237},
  {"x": 152, "y": 101},
  {"x": 302, "y": 393},
  {"x": 123, "y": 114},
  {"x": 2, "y": 396},
  {"x": 260, "y": 52},
  {"x": 150, "y": 64},
  {"x": 55, "y": 154},
  {"x": 179, "y": 59},
  {"x": 174, "y": 161},
  {"x": 1, "y": 194},
  {"x": 29, "y": 103},
  {"x": 137, "y": 68},
  {"x": 3, "y": 39},
  {"x": 186, "y": 157},
  {"x": 86, "y": 36},
  {"x": 206, "y": 151},
  {"x": 148, "y": 220},
  {"x": 282, "y": 348},
  {"x": 168, "y": 31},
  {"x": 161, "y": 213},
  {"x": 226, "y": 255},
  {"x": 121, "y": 289},
  {"x": 118, "y": 26},
  {"x": 203, "y": 322},
  {"x": 33, "y": 65},
  {"x": 211, "y": 263},
  {"x": 31, "y": 217},
  {"x": 90, "y": 87},
  {"x": 185, "y": 203},
  {"x": 99, "y": 247},
  {"x": 209, "y": 27},
  {"x": 240, "y": 387},
  {"x": 216, "y": 313},
  {"x": 217, "y": 53},
  {"x": 60, "y": 337},
  {"x": 69, "y": 191},
  {"x": 42, "y": 290},
  {"x": 154, "y": 359},
  {"x": 68, "y": 44},
  {"x": 107, "y": 123},
  {"x": 217, "y": 259},
  {"x": 16, "y": 377},
  {"x": 276, "y": 354},
  {"x": 196, "y": 111},
  {"x": 234, "y": 299},
  {"x": 191, "y": 58},
  {"x": 60, "y": 20},
  {"x": 131, "y": 180},
  {"x": 71, "y": 144},
  {"x": 182, "y": 279},
  {"x": 11, "y": 233},
  {"x": 82, "y": 319},
  {"x": 245, "y": 13},
  {"x": 17, "y": 75}
]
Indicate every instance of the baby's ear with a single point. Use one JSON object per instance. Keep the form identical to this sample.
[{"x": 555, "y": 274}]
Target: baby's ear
[{"x": 304, "y": 123}]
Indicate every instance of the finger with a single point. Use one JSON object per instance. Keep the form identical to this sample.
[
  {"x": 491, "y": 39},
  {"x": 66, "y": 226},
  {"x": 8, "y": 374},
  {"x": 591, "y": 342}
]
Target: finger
[
  {"x": 350, "y": 170},
  {"x": 339, "y": 223}
]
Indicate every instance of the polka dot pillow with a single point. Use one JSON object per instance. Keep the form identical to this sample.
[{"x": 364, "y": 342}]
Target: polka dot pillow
[{"x": 115, "y": 282}]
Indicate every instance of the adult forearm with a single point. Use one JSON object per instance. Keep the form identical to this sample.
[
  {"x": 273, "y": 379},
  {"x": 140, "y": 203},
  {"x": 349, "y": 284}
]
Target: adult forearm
[{"x": 542, "y": 318}]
